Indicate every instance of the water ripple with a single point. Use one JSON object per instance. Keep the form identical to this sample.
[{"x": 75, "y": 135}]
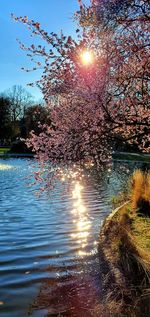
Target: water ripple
[{"x": 51, "y": 239}]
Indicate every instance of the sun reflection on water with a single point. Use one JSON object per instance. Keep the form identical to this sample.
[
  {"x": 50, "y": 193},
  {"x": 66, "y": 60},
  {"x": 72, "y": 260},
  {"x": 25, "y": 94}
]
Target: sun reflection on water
[
  {"x": 5, "y": 167},
  {"x": 81, "y": 220}
]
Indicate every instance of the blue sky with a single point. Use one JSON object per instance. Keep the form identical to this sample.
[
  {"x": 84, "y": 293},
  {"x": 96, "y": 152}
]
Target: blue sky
[{"x": 53, "y": 15}]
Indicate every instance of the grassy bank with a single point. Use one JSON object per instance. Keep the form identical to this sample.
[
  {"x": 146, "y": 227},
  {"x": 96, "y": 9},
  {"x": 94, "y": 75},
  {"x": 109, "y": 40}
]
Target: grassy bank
[
  {"x": 124, "y": 252},
  {"x": 4, "y": 150}
]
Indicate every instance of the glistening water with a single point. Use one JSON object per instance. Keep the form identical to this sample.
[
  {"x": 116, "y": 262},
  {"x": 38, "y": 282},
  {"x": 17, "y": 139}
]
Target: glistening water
[{"x": 48, "y": 244}]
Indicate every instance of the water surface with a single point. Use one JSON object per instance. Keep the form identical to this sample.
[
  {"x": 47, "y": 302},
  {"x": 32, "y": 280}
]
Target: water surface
[{"x": 48, "y": 244}]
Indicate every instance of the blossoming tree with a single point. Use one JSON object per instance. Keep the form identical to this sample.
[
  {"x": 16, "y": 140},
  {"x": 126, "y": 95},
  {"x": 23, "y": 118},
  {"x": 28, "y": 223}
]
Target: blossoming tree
[{"x": 94, "y": 104}]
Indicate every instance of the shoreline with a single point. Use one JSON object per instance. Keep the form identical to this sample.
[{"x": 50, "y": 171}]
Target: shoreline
[
  {"x": 17, "y": 155},
  {"x": 121, "y": 270},
  {"x": 117, "y": 156}
]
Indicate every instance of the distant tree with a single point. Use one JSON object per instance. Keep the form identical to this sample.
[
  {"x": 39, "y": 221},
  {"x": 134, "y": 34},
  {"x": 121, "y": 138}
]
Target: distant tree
[
  {"x": 20, "y": 99},
  {"x": 34, "y": 117},
  {"x": 5, "y": 120}
]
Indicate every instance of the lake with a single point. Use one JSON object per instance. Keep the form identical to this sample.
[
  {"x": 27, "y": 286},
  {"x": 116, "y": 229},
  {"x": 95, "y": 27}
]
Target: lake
[{"x": 48, "y": 244}]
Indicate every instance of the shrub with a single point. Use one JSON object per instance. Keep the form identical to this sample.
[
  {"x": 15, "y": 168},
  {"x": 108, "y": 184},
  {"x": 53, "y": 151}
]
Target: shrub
[{"x": 20, "y": 147}]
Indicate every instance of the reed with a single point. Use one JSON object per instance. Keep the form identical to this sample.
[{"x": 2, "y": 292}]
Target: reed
[{"x": 140, "y": 192}]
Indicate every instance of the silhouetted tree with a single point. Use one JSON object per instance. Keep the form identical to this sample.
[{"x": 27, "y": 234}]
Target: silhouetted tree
[
  {"x": 5, "y": 119},
  {"x": 33, "y": 117},
  {"x": 20, "y": 99}
]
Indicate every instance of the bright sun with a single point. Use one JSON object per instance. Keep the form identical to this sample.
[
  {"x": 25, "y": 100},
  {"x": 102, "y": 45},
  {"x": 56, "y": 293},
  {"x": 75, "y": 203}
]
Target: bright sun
[{"x": 87, "y": 57}]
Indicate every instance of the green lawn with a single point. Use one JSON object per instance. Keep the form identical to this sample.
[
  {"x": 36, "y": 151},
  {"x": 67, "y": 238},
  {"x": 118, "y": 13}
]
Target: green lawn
[{"x": 4, "y": 150}]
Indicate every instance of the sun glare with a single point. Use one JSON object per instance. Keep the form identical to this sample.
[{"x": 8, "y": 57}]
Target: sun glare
[{"x": 87, "y": 57}]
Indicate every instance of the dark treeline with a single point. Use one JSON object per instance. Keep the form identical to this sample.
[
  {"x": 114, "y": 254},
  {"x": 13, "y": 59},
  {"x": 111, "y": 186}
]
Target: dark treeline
[{"x": 19, "y": 114}]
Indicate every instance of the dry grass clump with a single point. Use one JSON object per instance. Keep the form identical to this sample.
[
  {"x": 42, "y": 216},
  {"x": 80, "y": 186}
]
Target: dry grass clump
[
  {"x": 134, "y": 259},
  {"x": 135, "y": 251},
  {"x": 140, "y": 192}
]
